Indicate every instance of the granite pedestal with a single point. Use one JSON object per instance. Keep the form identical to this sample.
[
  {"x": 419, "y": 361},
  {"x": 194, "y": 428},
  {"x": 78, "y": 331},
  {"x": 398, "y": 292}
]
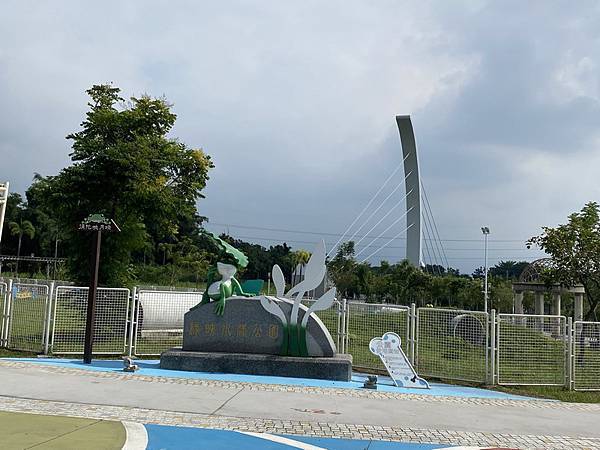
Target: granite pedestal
[{"x": 337, "y": 367}]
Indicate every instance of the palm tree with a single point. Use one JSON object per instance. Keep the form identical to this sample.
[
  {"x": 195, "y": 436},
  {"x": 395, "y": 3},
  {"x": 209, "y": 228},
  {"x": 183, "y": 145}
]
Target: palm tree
[
  {"x": 299, "y": 257},
  {"x": 25, "y": 227}
]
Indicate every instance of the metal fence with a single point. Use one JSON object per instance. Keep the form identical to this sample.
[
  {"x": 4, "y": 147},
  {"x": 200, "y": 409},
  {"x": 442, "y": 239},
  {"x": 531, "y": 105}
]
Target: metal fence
[
  {"x": 531, "y": 349},
  {"x": 27, "y": 319},
  {"x": 364, "y": 321},
  {"x": 69, "y": 317},
  {"x": 449, "y": 344},
  {"x": 159, "y": 319},
  {"x": 452, "y": 344},
  {"x": 3, "y": 313},
  {"x": 586, "y": 356}
]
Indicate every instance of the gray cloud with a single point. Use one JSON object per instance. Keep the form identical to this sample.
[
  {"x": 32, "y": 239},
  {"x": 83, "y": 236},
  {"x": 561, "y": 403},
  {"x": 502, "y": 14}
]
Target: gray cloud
[{"x": 301, "y": 98}]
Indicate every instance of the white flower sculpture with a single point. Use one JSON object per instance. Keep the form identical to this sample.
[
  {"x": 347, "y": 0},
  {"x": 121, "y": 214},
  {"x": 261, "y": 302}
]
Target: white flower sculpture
[{"x": 295, "y": 336}]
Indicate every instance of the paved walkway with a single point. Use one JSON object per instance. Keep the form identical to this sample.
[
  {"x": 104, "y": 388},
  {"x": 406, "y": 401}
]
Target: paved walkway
[{"x": 297, "y": 410}]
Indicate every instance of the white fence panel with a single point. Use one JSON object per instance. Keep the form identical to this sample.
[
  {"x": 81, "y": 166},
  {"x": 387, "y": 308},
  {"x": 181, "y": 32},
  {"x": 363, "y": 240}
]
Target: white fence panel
[
  {"x": 3, "y": 314},
  {"x": 586, "y": 356},
  {"x": 159, "y": 319},
  {"x": 27, "y": 316},
  {"x": 531, "y": 349},
  {"x": 452, "y": 344},
  {"x": 110, "y": 327},
  {"x": 365, "y": 321}
]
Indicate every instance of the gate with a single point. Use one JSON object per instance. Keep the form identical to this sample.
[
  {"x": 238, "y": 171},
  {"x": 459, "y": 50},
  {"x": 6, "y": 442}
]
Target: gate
[
  {"x": 531, "y": 349},
  {"x": 452, "y": 344},
  {"x": 586, "y": 356},
  {"x": 110, "y": 327},
  {"x": 159, "y": 319},
  {"x": 364, "y": 321},
  {"x": 27, "y": 306}
]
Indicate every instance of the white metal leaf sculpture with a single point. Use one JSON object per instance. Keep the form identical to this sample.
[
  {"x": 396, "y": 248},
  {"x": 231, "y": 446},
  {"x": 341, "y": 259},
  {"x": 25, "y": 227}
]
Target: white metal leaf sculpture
[
  {"x": 271, "y": 306},
  {"x": 314, "y": 273},
  {"x": 324, "y": 302},
  {"x": 278, "y": 280}
]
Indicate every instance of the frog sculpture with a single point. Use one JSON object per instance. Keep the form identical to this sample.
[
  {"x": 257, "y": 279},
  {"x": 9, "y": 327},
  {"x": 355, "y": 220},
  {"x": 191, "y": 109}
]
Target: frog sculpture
[{"x": 221, "y": 282}]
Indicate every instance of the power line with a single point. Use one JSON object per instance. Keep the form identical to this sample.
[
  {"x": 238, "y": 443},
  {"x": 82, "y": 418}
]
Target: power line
[
  {"x": 316, "y": 233},
  {"x": 263, "y": 238}
]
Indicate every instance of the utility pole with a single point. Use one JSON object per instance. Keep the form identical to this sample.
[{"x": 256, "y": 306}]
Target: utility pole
[{"x": 486, "y": 232}]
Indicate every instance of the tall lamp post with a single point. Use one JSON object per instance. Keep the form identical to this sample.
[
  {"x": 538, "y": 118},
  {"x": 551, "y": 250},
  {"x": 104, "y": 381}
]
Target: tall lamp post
[{"x": 485, "y": 231}]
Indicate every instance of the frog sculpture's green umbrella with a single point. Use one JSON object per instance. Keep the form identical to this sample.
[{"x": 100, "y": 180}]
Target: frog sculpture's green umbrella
[{"x": 221, "y": 283}]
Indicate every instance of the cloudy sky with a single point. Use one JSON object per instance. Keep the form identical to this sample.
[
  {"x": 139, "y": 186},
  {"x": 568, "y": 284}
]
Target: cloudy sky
[{"x": 300, "y": 98}]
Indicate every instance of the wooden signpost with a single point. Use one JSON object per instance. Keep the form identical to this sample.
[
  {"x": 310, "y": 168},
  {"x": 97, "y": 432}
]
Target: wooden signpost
[{"x": 95, "y": 223}]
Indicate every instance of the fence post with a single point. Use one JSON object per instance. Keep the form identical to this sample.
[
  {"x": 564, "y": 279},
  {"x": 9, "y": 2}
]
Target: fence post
[
  {"x": 412, "y": 333},
  {"x": 416, "y": 355},
  {"x": 569, "y": 362},
  {"x": 493, "y": 350},
  {"x": 132, "y": 321},
  {"x": 342, "y": 326},
  {"x": 346, "y": 330},
  {"x": 48, "y": 319},
  {"x": 8, "y": 316},
  {"x": 4, "y": 318}
]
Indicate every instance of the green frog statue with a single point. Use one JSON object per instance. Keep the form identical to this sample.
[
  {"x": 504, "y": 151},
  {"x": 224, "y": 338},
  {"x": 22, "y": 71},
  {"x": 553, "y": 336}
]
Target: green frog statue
[{"x": 221, "y": 283}]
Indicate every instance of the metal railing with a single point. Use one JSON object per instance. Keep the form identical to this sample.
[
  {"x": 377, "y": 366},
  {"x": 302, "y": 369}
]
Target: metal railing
[
  {"x": 586, "y": 356},
  {"x": 531, "y": 349},
  {"x": 69, "y": 317},
  {"x": 471, "y": 346},
  {"x": 452, "y": 344},
  {"x": 27, "y": 319},
  {"x": 364, "y": 321},
  {"x": 159, "y": 319},
  {"x": 3, "y": 313}
]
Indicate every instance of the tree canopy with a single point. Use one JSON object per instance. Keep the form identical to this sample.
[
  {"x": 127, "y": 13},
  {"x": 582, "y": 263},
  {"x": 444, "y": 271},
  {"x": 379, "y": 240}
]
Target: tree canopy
[
  {"x": 575, "y": 251},
  {"x": 127, "y": 168}
]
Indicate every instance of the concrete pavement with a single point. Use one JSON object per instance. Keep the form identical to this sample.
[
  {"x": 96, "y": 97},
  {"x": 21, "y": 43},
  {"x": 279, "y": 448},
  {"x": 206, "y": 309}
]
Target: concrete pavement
[{"x": 299, "y": 410}]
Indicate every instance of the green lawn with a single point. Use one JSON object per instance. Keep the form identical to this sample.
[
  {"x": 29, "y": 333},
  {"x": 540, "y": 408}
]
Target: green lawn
[{"x": 551, "y": 392}]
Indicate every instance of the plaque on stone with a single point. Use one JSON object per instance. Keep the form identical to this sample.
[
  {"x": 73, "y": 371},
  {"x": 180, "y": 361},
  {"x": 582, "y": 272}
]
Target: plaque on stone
[{"x": 246, "y": 327}]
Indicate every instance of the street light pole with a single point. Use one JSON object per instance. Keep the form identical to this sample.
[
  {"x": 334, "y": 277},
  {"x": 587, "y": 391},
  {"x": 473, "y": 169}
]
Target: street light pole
[{"x": 485, "y": 231}]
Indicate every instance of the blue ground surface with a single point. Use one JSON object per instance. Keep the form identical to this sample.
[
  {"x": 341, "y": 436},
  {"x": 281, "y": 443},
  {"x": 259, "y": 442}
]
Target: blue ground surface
[
  {"x": 151, "y": 368},
  {"x": 162, "y": 437}
]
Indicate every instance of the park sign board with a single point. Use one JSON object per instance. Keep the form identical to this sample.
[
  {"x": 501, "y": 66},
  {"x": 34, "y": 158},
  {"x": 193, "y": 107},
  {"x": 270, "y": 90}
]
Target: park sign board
[
  {"x": 97, "y": 222},
  {"x": 388, "y": 348}
]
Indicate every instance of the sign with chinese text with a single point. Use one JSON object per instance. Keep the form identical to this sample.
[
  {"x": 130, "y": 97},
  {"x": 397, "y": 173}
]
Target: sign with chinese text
[
  {"x": 97, "y": 222},
  {"x": 392, "y": 356}
]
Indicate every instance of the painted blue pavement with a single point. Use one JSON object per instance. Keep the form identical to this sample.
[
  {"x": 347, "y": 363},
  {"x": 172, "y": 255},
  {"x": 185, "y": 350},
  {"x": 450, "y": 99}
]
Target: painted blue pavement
[
  {"x": 162, "y": 437},
  {"x": 151, "y": 368}
]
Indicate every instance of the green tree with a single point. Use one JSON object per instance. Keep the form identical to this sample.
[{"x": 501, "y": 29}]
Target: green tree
[
  {"x": 127, "y": 168},
  {"x": 300, "y": 258},
  {"x": 575, "y": 251},
  {"x": 509, "y": 270},
  {"x": 342, "y": 270}
]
